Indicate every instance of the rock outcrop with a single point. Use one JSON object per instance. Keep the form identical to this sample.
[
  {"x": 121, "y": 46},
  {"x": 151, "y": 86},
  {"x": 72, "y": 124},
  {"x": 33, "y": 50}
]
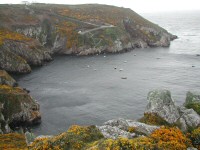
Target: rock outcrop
[
  {"x": 30, "y": 34},
  {"x": 188, "y": 118},
  {"x": 124, "y": 134},
  {"x": 120, "y": 128},
  {"x": 17, "y": 108},
  {"x": 161, "y": 106},
  {"x": 161, "y": 103},
  {"x": 6, "y": 79}
]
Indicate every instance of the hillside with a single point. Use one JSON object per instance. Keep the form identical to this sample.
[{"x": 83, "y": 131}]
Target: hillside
[{"x": 30, "y": 34}]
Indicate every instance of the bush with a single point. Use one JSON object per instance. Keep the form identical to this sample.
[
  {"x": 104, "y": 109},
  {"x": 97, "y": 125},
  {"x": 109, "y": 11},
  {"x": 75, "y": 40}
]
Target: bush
[
  {"x": 77, "y": 137},
  {"x": 12, "y": 141},
  {"x": 195, "y": 138},
  {"x": 170, "y": 138}
]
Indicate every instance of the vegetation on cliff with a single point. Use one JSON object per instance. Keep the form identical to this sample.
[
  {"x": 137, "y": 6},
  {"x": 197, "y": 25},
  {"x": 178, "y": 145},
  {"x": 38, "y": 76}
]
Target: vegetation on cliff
[
  {"x": 17, "y": 107},
  {"x": 13, "y": 141},
  {"x": 90, "y": 138},
  {"x": 75, "y": 138},
  {"x": 5, "y": 34}
]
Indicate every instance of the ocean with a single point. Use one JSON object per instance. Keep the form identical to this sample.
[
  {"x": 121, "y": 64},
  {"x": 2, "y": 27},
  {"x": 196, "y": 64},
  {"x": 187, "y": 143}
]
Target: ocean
[{"x": 89, "y": 90}]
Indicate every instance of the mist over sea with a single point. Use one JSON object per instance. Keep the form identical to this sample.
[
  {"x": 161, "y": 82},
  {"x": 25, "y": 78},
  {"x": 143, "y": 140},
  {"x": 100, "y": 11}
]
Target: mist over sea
[{"x": 89, "y": 90}]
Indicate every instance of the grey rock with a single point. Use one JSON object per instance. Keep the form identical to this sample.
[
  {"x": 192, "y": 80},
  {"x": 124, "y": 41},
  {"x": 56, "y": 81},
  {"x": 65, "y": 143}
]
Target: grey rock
[
  {"x": 189, "y": 118},
  {"x": 142, "y": 127},
  {"x": 4, "y": 127},
  {"x": 43, "y": 136},
  {"x": 191, "y": 148},
  {"x": 161, "y": 103},
  {"x": 119, "y": 127},
  {"x": 183, "y": 125},
  {"x": 114, "y": 132},
  {"x": 120, "y": 123},
  {"x": 59, "y": 45},
  {"x": 29, "y": 137}
]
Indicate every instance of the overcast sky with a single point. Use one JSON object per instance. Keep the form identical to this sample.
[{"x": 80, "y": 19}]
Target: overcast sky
[{"x": 140, "y": 6}]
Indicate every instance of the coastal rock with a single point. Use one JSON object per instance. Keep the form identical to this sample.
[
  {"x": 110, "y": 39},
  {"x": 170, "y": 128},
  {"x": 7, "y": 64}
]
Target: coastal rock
[
  {"x": 31, "y": 51},
  {"x": 142, "y": 127},
  {"x": 12, "y": 62},
  {"x": 161, "y": 103},
  {"x": 119, "y": 128},
  {"x": 189, "y": 118},
  {"x": 17, "y": 107},
  {"x": 120, "y": 123},
  {"x": 114, "y": 132},
  {"x": 6, "y": 79}
]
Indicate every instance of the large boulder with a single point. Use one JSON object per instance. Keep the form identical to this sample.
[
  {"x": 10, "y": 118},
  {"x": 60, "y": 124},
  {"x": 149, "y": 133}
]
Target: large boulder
[
  {"x": 161, "y": 104},
  {"x": 17, "y": 107},
  {"x": 189, "y": 118},
  {"x": 6, "y": 79}
]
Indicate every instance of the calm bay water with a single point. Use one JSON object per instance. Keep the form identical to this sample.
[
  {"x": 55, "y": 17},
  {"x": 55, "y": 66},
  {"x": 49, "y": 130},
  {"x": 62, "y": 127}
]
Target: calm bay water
[{"x": 88, "y": 90}]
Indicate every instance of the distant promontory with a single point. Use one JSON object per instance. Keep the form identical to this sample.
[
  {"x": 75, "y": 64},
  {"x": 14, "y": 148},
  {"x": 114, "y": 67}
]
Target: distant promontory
[{"x": 31, "y": 34}]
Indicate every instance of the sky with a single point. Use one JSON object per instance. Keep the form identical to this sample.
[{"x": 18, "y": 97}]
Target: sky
[{"x": 141, "y": 6}]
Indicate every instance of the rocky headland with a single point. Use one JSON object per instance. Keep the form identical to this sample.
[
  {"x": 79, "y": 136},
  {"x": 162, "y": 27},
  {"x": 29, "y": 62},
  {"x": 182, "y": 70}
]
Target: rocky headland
[
  {"x": 163, "y": 126},
  {"x": 31, "y": 34}
]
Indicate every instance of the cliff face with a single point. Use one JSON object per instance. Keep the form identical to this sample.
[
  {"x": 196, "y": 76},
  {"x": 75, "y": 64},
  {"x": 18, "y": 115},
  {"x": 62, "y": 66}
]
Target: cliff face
[
  {"x": 29, "y": 34},
  {"x": 17, "y": 107}
]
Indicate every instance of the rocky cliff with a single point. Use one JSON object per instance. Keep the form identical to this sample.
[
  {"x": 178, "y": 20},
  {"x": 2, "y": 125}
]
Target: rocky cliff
[
  {"x": 30, "y": 34},
  {"x": 17, "y": 107}
]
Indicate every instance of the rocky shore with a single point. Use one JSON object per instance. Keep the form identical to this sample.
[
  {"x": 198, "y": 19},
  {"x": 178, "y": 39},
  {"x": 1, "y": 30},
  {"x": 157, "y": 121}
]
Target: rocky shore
[{"x": 163, "y": 126}]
